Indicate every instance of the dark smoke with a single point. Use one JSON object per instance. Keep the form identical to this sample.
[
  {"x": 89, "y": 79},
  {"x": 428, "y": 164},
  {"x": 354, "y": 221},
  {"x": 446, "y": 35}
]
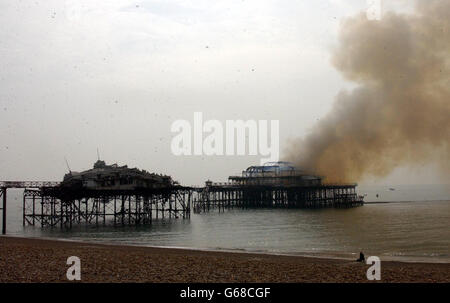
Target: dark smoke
[{"x": 399, "y": 114}]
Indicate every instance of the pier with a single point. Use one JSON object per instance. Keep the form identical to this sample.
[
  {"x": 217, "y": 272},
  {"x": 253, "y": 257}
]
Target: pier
[
  {"x": 121, "y": 196},
  {"x": 223, "y": 196},
  {"x": 49, "y": 204},
  {"x": 276, "y": 185},
  {"x": 49, "y": 207},
  {"x": 5, "y": 185}
]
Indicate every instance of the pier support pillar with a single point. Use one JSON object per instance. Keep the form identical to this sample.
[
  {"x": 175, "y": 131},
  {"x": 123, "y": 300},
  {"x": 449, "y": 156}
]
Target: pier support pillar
[{"x": 4, "y": 211}]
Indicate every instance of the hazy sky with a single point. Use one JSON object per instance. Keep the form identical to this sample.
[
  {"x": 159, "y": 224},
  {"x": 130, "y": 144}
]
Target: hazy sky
[{"x": 80, "y": 75}]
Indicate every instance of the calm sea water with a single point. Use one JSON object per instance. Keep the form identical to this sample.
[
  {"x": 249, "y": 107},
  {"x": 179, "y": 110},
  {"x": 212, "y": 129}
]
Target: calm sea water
[{"x": 414, "y": 226}]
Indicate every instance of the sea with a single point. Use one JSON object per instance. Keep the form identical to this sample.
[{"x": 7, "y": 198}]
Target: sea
[{"x": 408, "y": 223}]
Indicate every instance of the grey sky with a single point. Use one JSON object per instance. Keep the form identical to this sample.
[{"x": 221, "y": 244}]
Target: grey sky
[{"x": 80, "y": 75}]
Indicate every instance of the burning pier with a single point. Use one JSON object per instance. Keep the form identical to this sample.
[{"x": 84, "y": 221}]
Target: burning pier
[{"x": 275, "y": 185}]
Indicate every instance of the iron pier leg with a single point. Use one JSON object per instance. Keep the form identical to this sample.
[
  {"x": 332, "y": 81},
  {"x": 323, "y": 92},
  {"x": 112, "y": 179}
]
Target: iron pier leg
[
  {"x": 23, "y": 217},
  {"x": 4, "y": 211}
]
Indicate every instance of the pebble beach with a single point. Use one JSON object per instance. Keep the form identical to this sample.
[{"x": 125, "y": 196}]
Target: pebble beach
[{"x": 39, "y": 260}]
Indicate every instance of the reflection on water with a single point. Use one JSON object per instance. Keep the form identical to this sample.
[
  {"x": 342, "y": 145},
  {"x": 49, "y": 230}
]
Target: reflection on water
[{"x": 414, "y": 230}]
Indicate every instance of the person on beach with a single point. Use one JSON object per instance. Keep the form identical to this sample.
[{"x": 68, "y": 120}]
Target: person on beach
[{"x": 361, "y": 257}]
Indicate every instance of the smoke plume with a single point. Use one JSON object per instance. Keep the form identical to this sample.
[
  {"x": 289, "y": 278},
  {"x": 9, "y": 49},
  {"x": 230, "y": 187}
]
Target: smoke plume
[{"x": 399, "y": 112}]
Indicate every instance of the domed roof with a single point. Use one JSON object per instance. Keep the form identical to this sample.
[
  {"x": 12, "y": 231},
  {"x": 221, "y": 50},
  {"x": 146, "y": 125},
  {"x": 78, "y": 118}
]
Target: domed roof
[{"x": 280, "y": 164}]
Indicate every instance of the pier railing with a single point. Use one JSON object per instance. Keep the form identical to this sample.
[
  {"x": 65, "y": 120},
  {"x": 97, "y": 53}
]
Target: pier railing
[{"x": 28, "y": 184}]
